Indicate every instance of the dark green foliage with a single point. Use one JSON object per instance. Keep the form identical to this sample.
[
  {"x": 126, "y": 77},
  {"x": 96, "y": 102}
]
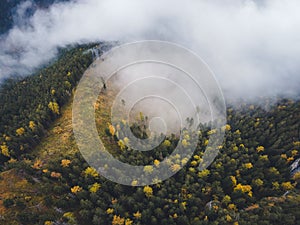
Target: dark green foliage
[
  {"x": 185, "y": 198},
  {"x": 27, "y": 99},
  {"x": 8, "y": 202}
]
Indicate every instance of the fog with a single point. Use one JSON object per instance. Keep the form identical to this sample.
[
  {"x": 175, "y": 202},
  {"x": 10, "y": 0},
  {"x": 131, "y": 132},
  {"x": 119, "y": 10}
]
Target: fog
[{"x": 253, "y": 47}]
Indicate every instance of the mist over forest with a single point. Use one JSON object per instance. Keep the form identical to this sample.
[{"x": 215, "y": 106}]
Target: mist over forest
[
  {"x": 251, "y": 46},
  {"x": 250, "y": 174}
]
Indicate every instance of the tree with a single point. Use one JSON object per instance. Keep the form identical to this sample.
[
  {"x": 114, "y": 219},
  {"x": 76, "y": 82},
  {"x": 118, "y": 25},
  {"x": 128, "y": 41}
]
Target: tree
[
  {"x": 76, "y": 189},
  {"x": 148, "y": 191},
  {"x": 20, "y": 131},
  {"x": 54, "y": 107},
  {"x": 5, "y": 150},
  {"x": 287, "y": 186}
]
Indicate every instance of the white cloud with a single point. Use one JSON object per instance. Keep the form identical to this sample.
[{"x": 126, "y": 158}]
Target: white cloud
[{"x": 252, "y": 46}]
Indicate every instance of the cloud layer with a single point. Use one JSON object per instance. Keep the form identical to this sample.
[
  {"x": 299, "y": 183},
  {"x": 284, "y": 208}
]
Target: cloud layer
[{"x": 253, "y": 47}]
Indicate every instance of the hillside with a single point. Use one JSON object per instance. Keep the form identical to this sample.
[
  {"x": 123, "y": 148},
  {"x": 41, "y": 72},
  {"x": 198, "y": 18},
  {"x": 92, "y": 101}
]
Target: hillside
[
  {"x": 248, "y": 183},
  {"x": 252, "y": 47}
]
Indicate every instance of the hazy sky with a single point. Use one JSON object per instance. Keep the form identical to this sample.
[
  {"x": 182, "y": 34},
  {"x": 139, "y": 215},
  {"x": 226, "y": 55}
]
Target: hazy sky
[{"x": 253, "y": 48}]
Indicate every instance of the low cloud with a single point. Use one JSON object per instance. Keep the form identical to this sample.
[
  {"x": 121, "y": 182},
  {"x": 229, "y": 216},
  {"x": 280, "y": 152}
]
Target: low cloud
[{"x": 253, "y": 47}]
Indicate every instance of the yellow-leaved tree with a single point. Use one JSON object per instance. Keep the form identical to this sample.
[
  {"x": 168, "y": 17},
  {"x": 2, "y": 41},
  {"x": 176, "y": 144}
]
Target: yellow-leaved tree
[
  {"x": 117, "y": 220},
  {"x": 90, "y": 171},
  {"x": 54, "y": 107},
  {"x": 244, "y": 188},
  {"x": 137, "y": 215},
  {"x": 76, "y": 189},
  {"x": 94, "y": 188},
  {"x": 148, "y": 191},
  {"x": 4, "y": 150},
  {"x": 32, "y": 125},
  {"x": 287, "y": 186},
  {"x": 112, "y": 129},
  {"x": 20, "y": 131},
  {"x": 65, "y": 162},
  {"x": 260, "y": 148}
]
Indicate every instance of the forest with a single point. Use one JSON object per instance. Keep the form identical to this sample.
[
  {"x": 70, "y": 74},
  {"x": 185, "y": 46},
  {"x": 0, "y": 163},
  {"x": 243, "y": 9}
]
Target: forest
[
  {"x": 29, "y": 105},
  {"x": 45, "y": 179}
]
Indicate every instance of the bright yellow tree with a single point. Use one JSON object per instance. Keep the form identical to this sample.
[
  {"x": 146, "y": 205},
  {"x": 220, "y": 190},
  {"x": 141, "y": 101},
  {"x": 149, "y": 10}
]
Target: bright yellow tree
[
  {"x": 65, "y": 162},
  {"x": 118, "y": 220},
  {"x": 121, "y": 144},
  {"x": 128, "y": 221},
  {"x": 244, "y": 189},
  {"x": 203, "y": 173},
  {"x": 287, "y": 186},
  {"x": 37, "y": 164},
  {"x": 260, "y": 148},
  {"x": 4, "y": 150},
  {"x": 20, "y": 131},
  {"x": 32, "y": 125},
  {"x": 233, "y": 180},
  {"x": 112, "y": 129},
  {"x": 76, "y": 189},
  {"x": 137, "y": 215},
  {"x": 54, "y": 107},
  {"x": 90, "y": 171},
  {"x": 156, "y": 162},
  {"x": 148, "y": 191},
  {"x": 109, "y": 211},
  {"x": 94, "y": 188},
  {"x": 248, "y": 165}
]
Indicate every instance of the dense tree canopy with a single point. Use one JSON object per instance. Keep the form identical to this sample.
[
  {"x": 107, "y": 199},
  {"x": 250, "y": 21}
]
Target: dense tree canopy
[
  {"x": 29, "y": 105},
  {"x": 250, "y": 181}
]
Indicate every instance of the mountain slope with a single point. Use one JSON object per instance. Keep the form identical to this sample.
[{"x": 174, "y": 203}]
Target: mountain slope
[
  {"x": 69, "y": 190},
  {"x": 49, "y": 182}
]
